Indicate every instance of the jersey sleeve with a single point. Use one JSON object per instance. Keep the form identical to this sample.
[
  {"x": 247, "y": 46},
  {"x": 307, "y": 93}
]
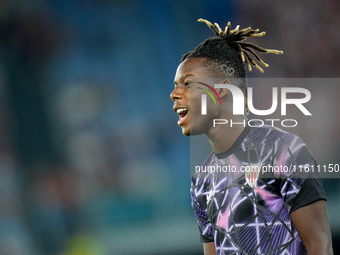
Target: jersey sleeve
[
  {"x": 204, "y": 224},
  {"x": 301, "y": 184}
]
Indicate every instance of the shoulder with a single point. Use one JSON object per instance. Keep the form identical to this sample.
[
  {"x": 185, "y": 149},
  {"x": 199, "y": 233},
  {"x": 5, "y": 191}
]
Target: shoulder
[
  {"x": 274, "y": 135},
  {"x": 279, "y": 147}
]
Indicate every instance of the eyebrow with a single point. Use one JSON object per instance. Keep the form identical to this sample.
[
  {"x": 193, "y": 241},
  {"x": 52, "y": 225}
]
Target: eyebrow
[{"x": 183, "y": 78}]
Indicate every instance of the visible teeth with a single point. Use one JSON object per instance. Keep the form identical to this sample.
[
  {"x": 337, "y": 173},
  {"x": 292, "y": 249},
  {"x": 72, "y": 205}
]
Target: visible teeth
[{"x": 180, "y": 110}]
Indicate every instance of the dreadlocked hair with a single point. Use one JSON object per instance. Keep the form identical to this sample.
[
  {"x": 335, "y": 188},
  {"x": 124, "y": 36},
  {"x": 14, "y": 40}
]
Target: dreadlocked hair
[{"x": 227, "y": 52}]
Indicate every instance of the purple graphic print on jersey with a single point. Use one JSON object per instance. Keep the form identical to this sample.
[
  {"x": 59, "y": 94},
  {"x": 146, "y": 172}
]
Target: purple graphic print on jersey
[{"x": 255, "y": 220}]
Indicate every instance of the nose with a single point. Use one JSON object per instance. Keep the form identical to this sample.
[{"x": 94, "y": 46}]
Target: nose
[{"x": 176, "y": 94}]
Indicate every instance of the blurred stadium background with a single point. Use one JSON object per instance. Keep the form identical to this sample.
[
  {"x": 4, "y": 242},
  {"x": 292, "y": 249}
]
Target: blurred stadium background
[{"x": 91, "y": 158}]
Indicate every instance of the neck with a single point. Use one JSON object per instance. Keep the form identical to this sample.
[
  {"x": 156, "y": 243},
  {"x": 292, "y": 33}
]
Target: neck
[{"x": 222, "y": 137}]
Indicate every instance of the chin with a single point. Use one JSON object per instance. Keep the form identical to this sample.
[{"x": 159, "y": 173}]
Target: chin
[
  {"x": 185, "y": 131},
  {"x": 191, "y": 132}
]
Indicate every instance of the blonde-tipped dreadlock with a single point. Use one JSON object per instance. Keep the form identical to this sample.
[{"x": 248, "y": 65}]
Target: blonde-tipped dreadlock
[
  {"x": 238, "y": 36},
  {"x": 230, "y": 52}
]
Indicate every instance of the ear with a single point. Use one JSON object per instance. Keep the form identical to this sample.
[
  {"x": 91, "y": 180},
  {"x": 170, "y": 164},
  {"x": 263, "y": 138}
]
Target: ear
[{"x": 223, "y": 91}]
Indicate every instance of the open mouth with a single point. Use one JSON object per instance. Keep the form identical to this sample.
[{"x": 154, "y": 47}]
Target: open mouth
[{"x": 182, "y": 112}]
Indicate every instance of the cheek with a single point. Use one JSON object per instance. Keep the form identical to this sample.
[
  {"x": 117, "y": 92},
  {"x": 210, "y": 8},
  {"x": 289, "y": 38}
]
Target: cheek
[
  {"x": 205, "y": 106},
  {"x": 198, "y": 105},
  {"x": 200, "y": 123},
  {"x": 195, "y": 105},
  {"x": 212, "y": 107}
]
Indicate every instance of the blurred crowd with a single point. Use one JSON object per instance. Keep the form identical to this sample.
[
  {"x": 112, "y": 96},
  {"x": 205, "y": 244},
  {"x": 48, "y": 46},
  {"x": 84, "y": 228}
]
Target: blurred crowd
[
  {"x": 304, "y": 30},
  {"x": 88, "y": 140}
]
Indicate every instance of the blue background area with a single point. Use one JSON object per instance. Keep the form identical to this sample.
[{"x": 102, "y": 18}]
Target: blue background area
[{"x": 91, "y": 158}]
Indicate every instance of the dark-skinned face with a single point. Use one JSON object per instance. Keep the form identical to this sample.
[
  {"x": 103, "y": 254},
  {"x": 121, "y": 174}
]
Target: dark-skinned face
[{"x": 187, "y": 96}]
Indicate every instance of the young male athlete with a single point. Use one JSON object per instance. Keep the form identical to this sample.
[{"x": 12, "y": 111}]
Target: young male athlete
[{"x": 246, "y": 212}]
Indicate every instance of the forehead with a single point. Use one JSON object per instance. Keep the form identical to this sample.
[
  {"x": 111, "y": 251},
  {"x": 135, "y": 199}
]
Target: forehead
[{"x": 194, "y": 67}]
